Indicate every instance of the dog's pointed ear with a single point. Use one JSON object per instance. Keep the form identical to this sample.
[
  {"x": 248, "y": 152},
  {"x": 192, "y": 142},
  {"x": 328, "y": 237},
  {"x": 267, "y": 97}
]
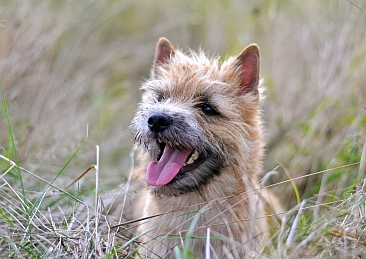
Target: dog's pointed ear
[
  {"x": 163, "y": 54},
  {"x": 247, "y": 64}
]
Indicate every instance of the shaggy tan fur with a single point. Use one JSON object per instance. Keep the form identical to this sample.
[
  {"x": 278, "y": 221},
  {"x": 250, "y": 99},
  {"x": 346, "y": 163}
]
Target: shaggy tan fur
[{"x": 215, "y": 110}]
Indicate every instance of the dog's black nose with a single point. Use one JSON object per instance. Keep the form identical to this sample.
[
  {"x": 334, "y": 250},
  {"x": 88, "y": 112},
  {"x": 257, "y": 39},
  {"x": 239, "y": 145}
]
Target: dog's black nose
[{"x": 159, "y": 122}]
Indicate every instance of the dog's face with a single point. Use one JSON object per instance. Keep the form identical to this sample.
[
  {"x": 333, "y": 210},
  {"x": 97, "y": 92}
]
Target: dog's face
[{"x": 195, "y": 118}]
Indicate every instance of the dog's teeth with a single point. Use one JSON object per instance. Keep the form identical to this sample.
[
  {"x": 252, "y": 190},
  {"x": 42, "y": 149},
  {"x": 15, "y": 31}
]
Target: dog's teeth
[
  {"x": 193, "y": 158},
  {"x": 194, "y": 155}
]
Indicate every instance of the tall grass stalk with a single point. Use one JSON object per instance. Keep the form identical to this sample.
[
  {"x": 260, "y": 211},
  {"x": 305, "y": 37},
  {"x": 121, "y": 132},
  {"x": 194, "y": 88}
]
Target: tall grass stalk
[{"x": 14, "y": 149}]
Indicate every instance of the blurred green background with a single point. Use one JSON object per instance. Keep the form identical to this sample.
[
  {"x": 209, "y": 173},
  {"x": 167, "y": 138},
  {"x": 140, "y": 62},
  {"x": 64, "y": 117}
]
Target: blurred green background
[{"x": 66, "y": 66}]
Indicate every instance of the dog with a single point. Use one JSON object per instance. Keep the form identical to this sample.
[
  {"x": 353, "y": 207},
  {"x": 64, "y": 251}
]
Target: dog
[{"x": 199, "y": 139}]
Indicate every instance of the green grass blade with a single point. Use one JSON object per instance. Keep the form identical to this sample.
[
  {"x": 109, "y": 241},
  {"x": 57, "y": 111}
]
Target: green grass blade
[
  {"x": 6, "y": 218},
  {"x": 11, "y": 135},
  {"x": 351, "y": 188},
  {"x": 189, "y": 236},
  {"x": 37, "y": 204},
  {"x": 110, "y": 255}
]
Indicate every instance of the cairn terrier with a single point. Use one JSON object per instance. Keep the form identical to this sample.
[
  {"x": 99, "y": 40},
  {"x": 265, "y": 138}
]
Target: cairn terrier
[{"x": 198, "y": 134}]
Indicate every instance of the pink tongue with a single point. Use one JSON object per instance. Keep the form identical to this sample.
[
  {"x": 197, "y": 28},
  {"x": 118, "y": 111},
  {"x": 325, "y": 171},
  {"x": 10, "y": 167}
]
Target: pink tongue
[{"x": 162, "y": 172}]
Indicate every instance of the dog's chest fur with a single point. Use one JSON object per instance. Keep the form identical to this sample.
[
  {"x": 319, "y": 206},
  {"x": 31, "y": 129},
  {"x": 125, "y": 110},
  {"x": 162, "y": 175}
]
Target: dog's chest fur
[{"x": 236, "y": 223}]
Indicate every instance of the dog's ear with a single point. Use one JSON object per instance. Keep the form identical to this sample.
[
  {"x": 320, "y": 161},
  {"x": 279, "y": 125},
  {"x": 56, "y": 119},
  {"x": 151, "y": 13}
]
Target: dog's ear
[
  {"x": 247, "y": 64},
  {"x": 163, "y": 54}
]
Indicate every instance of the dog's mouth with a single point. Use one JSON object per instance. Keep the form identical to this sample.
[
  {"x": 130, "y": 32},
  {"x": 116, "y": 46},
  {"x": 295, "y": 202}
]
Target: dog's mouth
[{"x": 171, "y": 163}]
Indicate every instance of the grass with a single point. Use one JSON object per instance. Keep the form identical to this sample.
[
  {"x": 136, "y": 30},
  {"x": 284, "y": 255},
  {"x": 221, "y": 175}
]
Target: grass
[
  {"x": 14, "y": 149},
  {"x": 69, "y": 66}
]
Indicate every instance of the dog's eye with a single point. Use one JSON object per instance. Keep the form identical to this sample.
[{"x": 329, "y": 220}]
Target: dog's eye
[
  {"x": 208, "y": 110},
  {"x": 160, "y": 98}
]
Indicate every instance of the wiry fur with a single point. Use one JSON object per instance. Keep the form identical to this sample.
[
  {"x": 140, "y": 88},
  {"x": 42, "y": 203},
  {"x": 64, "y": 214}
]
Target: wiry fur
[{"x": 231, "y": 142}]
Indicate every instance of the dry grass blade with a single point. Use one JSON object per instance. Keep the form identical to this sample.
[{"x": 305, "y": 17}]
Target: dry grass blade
[
  {"x": 79, "y": 177},
  {"x": 356, "y": 6},
  {"x": 82, "y": 237},
  {"x": 208, "y": 244},
  {"x": 231, "y": 196}
]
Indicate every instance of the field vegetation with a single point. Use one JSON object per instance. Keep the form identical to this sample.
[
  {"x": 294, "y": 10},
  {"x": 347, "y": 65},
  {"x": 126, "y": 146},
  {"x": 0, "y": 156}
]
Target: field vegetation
[{"x": 69, "y": 78}]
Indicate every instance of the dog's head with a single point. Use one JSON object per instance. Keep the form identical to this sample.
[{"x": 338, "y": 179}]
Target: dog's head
[{"x": 196, "y": 118}]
